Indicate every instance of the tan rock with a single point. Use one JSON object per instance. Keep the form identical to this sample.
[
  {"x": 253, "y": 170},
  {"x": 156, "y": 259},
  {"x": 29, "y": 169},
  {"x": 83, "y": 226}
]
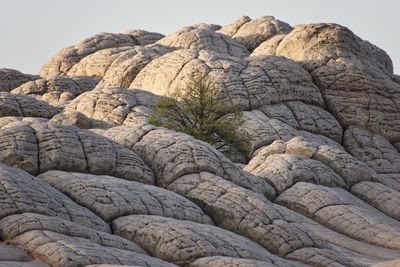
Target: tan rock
[
  {"x": 61, "y": 250},
  {"x": 171, "y": 155},
  {"x": 199, "y": 37},
  {"x": 252, "y": 33},
  {"x": 21, "y": 193},
  {"x": 10, "y": 79},
  {"x": 66, "y": 58},
  {"x": 58, "y": 91},
  {"x": 41, "y": 146},
  {"x": 165, "y": 238},
  {"x": 248, "y": 83},
  {"x": 25, "y": 106},
  {"x": 342, "y": 212},
  {"x": 114, "y": 106},
  {"x": 15, "y": 225},
  {"x": 218, "y": 261},
  {"x": 110, "y": 197},
  {"x": 355, "y": 77},
  {"x": 123, "y": 70}
]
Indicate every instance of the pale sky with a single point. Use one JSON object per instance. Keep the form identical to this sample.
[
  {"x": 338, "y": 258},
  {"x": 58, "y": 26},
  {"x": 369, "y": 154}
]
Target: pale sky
[{"x": 33, "y": 30}]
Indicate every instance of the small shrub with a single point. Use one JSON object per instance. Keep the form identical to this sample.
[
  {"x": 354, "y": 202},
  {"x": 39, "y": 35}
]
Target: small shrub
[{"x": 197, "y": 110}]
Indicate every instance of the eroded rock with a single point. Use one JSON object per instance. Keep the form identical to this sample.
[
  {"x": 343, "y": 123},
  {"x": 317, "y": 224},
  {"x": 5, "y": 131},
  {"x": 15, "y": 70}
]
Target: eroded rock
[
  {"x": 165, "y": 237},
  {"x": 354, "y": 76},
  {"x": 110, "y": 197},
  {"x": 41, "y": 146},
  {"x": 21, "y": 193},
  {"x": 248, "y": 83},
  {"x": 10, "y": 79},
  {"x": 57, "y": 91},
  {"x": 171, "y": 155},
  {"x": 341, "y": 211},
  {"x": 66, "y": 58},
  {"x": 62, "y": 250},
  {"x": 25, "y": 106},
  {"x": 251, "y": 33},
  {"x": 15, "y": 225},
  {"x": 199, "y": 37},
  {"x": 115, "y": 106}
]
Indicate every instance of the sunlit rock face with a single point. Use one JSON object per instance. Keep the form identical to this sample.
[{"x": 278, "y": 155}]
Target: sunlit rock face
[{"x": 85, "y": 180}]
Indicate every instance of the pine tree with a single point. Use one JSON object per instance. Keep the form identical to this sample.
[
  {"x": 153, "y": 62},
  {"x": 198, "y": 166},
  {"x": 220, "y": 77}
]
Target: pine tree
[{"x": 197, "y": 110}]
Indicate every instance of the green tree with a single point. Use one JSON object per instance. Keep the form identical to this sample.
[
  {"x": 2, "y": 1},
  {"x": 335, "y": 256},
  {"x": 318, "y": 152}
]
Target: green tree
[{"x": 198, "y": 110}]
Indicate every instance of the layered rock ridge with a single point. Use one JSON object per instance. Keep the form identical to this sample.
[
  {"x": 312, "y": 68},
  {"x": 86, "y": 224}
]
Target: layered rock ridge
[{"x": 85, "y": 180}]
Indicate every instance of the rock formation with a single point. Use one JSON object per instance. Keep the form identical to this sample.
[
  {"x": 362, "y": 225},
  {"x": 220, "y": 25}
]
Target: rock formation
[{"x": 85, "y": 180}]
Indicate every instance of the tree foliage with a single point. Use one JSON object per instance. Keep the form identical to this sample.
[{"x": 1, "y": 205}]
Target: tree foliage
[{"x": 197, "y": 110}]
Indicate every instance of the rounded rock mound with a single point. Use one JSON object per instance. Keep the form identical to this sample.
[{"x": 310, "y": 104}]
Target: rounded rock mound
[{"x": 86, "y": 180}]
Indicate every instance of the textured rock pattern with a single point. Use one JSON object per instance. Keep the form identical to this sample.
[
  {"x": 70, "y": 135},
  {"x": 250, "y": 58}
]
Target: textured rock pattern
[
  {"x": 156, "y": 234},
  {"x": 21, "y": 192},
  {"x": 61, "y": 250},
  {"x": 199, "y": 37},
  {"x": 85, "y": 180},
  {"x": 58, "y": 91},
  {"x": 38, "y": 147},
  {"x": 15, "y": 225},
  {"x": 248, "y": 83},
  {"x": 66, "y": 58},
  {"x": 254, "y": 32},
  {"x": 111, "y": 197},
  {"x": 124, "y": 67},
  {"x": 25, "y": 106},
  {"x": 10, "y": 79},
  {"x": 115, "y": 106},
  {"x": 353, "y": 75},
  {"x": 171, "y": 155}
]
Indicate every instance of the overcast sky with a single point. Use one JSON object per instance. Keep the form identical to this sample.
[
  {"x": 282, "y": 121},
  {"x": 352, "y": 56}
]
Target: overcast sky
[{"x": 33, "y": 30}]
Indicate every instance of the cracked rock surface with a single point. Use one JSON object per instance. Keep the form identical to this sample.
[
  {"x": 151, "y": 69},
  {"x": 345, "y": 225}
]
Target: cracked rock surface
[
  {"x": 115, "y": 106},
  {"x": 61, "y": 63},
  {"x": 252, "y": 32},
  {"x": 156, "y": 234},
  {"x": 25, "y": 106},
  {"x": 85, "y": 180},
  {"x": 110, "y": 197},
  {"x": 57, "y": 91},
  {"x": 10, "y": 79}
]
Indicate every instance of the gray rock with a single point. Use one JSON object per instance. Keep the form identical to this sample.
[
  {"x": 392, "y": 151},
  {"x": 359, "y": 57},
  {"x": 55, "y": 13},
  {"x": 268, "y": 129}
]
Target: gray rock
[
  {"x": 165, "y": 238},
  {"x": 57, "y": 91},
  {"x": 10, "y": 253},
  {"x": 115, "y": 106},
  {"x": 21, "y": 193},
  {"x": 37, "y": 147},
  {"x": 248, "y": 83},
  {"x": 263, "y": 130},
  {"x": 355, "y": 77},
  {"x": 218, "y": 261},
  {"x": 284, "y": 170},
  {"x": 199, "y": 37},
  {"x": 244, "y": 212},
  {"x": 110, "y": 197},
  {"x": 306, "y": 117},
  {"x": 341, "y": 211},
  {"x": 252, "y": 33},
  {"x": 61, "y": 250},
  {"x": 10, "y": 79},
  {"x": 171, "y": 155},
  {"x": 15, "y": 225},
  {"x": 25, "y": 106},
  {"x": 66, "y": 58}
]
